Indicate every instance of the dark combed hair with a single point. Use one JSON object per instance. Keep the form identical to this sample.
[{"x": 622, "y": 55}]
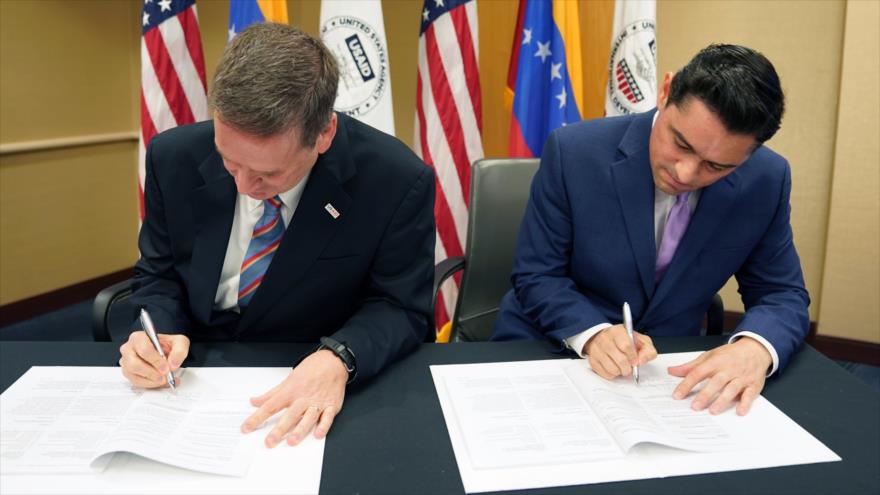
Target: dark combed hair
[{"x": 738, "y": 84}]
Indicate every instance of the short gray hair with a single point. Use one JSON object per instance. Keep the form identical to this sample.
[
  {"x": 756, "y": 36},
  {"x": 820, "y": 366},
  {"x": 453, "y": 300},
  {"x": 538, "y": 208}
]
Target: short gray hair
[{"x": 273, "y": 77}]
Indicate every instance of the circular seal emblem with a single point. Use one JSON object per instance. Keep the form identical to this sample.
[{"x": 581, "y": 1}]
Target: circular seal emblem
[
  {"x": 363, "y": 63},
  {"x": 632, "y": 70}
]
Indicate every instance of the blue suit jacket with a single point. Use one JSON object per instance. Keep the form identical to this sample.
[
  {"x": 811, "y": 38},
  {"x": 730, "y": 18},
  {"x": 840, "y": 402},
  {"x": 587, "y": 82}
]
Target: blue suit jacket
[
  {"x": 586, "y": 244},
  {"x": 364, "y": 278}
]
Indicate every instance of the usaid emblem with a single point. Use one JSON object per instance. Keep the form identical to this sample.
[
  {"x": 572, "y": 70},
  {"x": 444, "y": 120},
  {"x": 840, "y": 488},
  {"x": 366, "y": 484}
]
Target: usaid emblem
[
  {"x": 363, "y": 63},
  {"x": 359, "y": 57},
  {"x": 632, "y": 80}
]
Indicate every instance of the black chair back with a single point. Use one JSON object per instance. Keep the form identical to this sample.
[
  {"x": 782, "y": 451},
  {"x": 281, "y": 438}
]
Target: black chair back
[{"x": 499, "y": 193}]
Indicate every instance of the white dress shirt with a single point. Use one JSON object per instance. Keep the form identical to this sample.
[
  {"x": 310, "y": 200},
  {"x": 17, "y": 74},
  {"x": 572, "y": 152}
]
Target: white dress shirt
[
  {"x": 663, "y": 203},
  {"x": 247, "y": 213}
]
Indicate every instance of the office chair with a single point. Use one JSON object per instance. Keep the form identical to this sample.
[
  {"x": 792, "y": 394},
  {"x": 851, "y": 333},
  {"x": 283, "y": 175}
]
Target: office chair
[
  {"x": 111, "y": 301},
  {"x": 499, "y": 193}
]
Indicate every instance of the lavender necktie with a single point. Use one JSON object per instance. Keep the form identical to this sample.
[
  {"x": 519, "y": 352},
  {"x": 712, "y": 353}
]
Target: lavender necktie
[{"x": 676, "y": 225}]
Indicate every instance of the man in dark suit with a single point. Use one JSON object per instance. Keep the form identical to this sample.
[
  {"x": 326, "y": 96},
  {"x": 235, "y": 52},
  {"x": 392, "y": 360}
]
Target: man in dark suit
[
  {"x": 659, "y": 210},
  {"x": 284, "y": 221}
]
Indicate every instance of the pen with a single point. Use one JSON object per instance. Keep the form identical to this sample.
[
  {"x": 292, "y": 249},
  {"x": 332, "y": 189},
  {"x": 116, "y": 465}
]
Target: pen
[
  {"x": 628, "y": 323},
  {"x": 147, "y": 323}
]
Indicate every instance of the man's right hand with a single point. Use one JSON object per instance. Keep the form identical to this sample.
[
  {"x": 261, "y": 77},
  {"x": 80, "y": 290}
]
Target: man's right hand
[
  {"x": 143, "y": 366},
  {"x": 611, "y": 352}
]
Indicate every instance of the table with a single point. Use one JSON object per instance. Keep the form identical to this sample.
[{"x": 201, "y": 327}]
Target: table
[{"x": 391, "y": 438}]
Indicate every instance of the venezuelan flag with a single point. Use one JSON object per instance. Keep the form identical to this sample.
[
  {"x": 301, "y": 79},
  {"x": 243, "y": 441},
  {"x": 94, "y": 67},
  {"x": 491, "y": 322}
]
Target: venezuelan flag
[
  {"x": 243, "y": 13},
  {"x": 545, "y": 77}
]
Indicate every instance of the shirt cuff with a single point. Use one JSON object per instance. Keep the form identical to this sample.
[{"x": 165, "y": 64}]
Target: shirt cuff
[
  {"x": 763, "y": 342},
  {"x": 577, "y": 341}
]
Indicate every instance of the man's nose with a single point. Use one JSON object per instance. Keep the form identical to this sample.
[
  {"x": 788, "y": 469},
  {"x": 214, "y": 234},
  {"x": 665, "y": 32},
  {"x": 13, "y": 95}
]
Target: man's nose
[
  {"x": 686, "y": 170},
  {"x": 245, "y": 182}
]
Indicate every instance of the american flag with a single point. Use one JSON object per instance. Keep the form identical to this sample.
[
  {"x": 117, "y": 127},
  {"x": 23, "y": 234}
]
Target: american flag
[
  {"x": 448, "y": 123},
  {"x": 173, "y": 87}
]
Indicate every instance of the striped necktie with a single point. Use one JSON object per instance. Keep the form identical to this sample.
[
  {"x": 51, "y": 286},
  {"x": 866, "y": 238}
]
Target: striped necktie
[{"x": 264, "y": 242}]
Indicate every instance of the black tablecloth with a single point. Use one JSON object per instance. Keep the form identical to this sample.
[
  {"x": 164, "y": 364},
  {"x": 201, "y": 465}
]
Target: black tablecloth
[{"x": 391, "y": 439}]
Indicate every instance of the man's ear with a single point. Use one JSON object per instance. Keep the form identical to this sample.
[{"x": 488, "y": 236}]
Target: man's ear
[
  {"x": 663, "y": 94},
  {"x": 325, "y": 138}
]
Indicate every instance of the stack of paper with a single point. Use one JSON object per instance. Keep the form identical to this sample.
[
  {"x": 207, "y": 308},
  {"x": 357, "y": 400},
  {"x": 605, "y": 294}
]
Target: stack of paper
[
  {"x": 85, "y": 430},
  {"x": 536, "y": 424}
]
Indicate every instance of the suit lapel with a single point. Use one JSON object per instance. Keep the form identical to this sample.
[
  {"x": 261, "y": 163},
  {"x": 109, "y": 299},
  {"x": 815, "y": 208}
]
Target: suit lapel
[
  {"x": 635, "y": 192},
  {"x": 310, "y": 229},
  {"x": 712, "y": 208},
  {"x": 213, "y": 207}
]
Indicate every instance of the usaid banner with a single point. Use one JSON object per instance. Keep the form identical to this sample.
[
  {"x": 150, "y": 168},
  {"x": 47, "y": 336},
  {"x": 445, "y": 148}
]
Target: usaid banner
[{"x": 355, "y": 32}]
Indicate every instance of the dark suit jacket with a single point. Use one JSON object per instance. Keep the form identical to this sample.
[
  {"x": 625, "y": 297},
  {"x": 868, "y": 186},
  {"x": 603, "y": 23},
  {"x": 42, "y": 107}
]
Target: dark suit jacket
[
  {"x": 586, "y": 244},
  {"x": 364, "y": 278}
]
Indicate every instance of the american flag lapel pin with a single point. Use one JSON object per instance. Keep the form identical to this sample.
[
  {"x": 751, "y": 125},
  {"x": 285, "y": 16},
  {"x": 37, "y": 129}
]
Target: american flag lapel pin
[{"x": 332, "y": 211}]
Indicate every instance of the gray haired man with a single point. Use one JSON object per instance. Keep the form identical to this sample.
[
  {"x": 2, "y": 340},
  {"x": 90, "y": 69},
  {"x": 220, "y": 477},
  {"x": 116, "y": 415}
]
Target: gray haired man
[{"x": 283, "y": 221}]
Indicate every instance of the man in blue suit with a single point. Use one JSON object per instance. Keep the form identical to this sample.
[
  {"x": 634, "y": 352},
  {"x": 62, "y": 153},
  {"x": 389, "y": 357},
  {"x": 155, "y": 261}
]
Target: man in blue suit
[{"x": 659, "y": 210}]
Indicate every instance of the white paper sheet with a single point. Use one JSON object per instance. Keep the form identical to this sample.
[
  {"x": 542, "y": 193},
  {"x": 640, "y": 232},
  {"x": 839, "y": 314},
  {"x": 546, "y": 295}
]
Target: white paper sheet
[
  {"x": 524, "y": 453},
  {"x": 213, "y": 399}
]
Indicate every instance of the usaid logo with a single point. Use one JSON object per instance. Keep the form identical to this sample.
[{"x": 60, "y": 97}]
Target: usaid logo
[
  {"x": 363, "y": 63},
  {"x": 360, "y": 57}
]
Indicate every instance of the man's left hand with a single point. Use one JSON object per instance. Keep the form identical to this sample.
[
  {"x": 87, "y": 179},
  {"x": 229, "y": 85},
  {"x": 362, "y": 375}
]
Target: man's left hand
[
  {"x": 311, "y": 396},
  {"x": 733, "y": 371}
]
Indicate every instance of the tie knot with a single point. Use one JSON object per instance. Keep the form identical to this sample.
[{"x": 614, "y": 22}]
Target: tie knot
[
  {"x": 274, "y": 202},
  {"x": 681, "y": 198}
]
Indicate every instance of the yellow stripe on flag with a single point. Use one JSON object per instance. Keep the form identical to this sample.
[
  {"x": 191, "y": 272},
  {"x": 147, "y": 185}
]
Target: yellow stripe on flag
[
  {"x": 565, "y": 15},
  {"x": 445, "y": 333},
  {"x": 274, "y": 10}
]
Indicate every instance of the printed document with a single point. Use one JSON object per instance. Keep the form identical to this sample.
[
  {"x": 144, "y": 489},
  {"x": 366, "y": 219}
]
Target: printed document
[
  {"x": 56, "y": 422},
  {"x": 548, "y": 423}
]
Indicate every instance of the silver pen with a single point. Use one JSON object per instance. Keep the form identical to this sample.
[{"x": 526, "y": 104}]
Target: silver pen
[
  {"x": 628, "y": 324},
  {"x": 147, "y": 323}
]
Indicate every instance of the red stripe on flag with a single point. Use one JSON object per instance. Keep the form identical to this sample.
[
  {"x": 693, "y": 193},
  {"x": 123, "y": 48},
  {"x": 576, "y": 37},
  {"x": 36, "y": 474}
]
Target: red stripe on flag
[
  {"x": 420, "y": 114},
  {"x": 469, "y": 59},
  {"x": 446, "y": 233},
  {"x": 440, "y": 314},
  {"x": 190, "y": 25},
  {"x": 517, "y": 43},
  {"x": 448, "y": 113},
  {"x": 517, "y": 146},
  {"x": 141, "y": 200},
  {"x": 167, "y": 77},
  {"x": 446, "y": 224},
  {"x": 148, "y": 129},
  {"x": 442, "y": 214}
]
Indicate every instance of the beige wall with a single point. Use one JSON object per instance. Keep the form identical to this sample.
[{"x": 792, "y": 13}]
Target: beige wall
[
  {"x": 850, "y": 297},
  {"x": 66, "y": 72},
  {"x": 803, "y": 39}
]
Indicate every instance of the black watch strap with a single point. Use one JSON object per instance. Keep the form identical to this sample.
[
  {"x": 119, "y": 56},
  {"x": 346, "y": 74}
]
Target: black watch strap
[{"x": 343, "y": 352}]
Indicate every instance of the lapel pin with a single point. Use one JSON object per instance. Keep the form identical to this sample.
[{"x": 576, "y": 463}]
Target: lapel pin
[{"x": 332, "y": 211}]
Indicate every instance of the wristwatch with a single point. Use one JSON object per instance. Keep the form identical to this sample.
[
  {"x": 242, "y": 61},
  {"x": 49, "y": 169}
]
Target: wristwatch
[{"x": 343, "y": 352}]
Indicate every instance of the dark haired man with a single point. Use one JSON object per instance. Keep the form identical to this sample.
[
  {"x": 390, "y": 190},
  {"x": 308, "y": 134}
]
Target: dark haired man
[
  {"x": 659, "y": 210},
  {"x": 283, "y": 221}
]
